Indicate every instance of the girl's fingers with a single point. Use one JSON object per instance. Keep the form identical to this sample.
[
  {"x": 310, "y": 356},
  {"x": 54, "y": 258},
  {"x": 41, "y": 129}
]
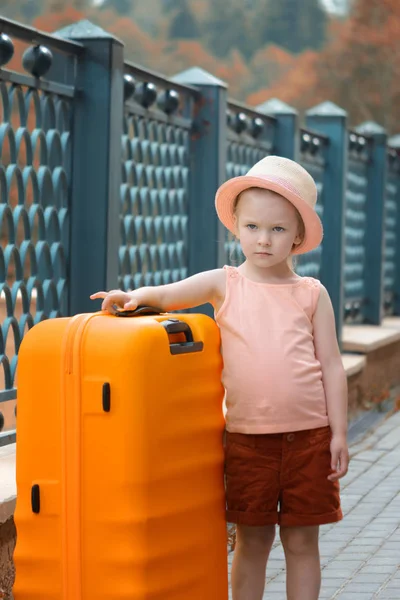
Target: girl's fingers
[
  {"x": 344, "y": 464},
  {"x": 341, "y": 468},
  {"x": 105, "y": 294},
  {"x": 108, "y": 305},
  {"x": 334, "y": 459},
  {"x": 131, "y": 305},
  {"x": 111, "y": 300}
]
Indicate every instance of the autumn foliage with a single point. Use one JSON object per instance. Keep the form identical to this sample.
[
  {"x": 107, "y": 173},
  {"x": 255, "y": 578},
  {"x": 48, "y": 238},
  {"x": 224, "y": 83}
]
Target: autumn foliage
[
  {"x": 358, "y": 67},
  {"x": 362, "y": 63}
]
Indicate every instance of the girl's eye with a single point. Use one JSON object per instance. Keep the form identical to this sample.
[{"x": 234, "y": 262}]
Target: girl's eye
[
  {"x": 251, "y": 226},
  {"x": 279, "y": 229}
]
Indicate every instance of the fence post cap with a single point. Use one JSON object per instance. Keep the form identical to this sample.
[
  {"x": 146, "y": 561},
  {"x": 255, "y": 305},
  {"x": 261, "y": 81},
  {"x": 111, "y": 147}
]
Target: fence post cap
[
  {"x": 394, "y": 141},
  {"x": 198, "y": 76},
  {"x": 371, "y": 128},
  {"x": 326, "y": 109},
  {"x": 274, "y": 106},
  {"x": 85, "y": 30}
]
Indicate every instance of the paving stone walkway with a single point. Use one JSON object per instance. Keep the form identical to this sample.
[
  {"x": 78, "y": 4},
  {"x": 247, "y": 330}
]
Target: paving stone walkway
[{"x": 361, "y": 554}]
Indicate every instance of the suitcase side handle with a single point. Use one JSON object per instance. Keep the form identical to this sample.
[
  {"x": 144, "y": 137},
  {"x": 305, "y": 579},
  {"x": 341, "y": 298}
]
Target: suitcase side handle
[
  {"x": 172, "y": 326},
  {"x": 35, "y": 499}
]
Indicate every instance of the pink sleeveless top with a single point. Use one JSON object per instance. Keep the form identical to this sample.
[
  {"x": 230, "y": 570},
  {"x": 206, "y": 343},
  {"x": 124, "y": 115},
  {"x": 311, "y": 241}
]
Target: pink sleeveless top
[{"x": 272, "y": 377}]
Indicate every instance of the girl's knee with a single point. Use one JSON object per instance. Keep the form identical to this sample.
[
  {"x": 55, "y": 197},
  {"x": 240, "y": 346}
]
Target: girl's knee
[
  {"x": 255, "y": 540},
  {"x": 300, "y": 540}
]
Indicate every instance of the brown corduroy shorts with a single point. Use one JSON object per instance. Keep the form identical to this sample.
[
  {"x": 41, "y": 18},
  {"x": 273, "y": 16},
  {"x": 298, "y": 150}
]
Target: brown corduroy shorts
[{"x": 281, "y": 479}]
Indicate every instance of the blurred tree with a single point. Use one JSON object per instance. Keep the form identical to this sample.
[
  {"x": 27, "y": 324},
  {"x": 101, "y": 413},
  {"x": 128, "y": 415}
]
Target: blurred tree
[
  {"x": 298, "y": 84},
  {"x": 270, "y": 64},
  {"x": 167, "y": 5},
  {"x": 361, "y": 65},
  {"x": 183, "y": 24},
  {"x": 228, "y": 27},
  {"x": 80, "y": 4},
  {"x": 359, "y": 69},
  {"x": 59, "y": 6},
  {"x": 251, "y": 44},
  {"x": 31, "y": 8},
  {"x": 122, "y": 7},
  {"x": 291, "y": 24},
  {"x": 58, "y": 14}
]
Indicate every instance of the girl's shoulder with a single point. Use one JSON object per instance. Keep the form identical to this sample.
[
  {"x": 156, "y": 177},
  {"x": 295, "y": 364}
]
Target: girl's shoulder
[
  {"x": 220, "y": 281},
  {"x": 219, "y": 285},
  {"x": 310, "y": 292},
  {"x": 311, "y": 282}
]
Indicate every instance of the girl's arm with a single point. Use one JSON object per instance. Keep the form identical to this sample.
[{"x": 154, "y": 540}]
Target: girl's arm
[
  {"x": 334, "y": 379},
  {"x": 193, "y": 291}
]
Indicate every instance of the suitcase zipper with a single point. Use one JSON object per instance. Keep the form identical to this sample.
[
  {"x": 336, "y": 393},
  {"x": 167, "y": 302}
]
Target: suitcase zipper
[
  {"x": 71, "y": 449},
  {"x": 69, "y": 342}
]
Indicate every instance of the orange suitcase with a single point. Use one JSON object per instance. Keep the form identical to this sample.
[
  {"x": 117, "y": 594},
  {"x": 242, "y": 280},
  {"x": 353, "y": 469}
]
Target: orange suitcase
[{"x": 120, "y": 460}]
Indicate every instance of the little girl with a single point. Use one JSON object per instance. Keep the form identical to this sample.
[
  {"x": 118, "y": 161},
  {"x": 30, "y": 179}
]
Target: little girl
[{"x": 286, "y": 389}]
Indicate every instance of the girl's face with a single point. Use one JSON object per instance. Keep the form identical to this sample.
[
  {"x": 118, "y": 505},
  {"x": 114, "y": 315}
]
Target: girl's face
[{"x": 267, "y": 226}]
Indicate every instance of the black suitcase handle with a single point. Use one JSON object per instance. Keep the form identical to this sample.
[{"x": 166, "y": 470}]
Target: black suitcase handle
[
  {"x": 171, "y": 326},
  {"x": 142, "y": 309}
]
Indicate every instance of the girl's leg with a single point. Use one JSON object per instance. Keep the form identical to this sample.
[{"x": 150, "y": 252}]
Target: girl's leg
[
  {"x": 253, "y": 545},
  {"x": 302, "y": 562}
]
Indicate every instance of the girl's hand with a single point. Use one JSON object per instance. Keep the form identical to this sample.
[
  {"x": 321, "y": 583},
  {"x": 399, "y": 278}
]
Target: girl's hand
[
  {"x": 115, "y": 298},
  {"x": 340, "y": 457}
]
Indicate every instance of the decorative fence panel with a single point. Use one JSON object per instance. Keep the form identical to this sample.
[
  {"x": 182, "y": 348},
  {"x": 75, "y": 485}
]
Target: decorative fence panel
[
  {"x": 312, "y": 157},
  {"x": 392, "y": 224},
  {"x": 35, "y": 178},
  {"x": 250, "y": 137},
  {"x": 154, "y": 208},
  {"x": 355, "y": 227}
]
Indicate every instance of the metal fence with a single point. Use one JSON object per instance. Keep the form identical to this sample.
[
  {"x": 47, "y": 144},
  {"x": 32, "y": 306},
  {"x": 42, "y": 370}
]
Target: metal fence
[
  {"x": 250, "y": 137},
  {"x": 108, "y": 174},
  {"x": 35, "y": 177},
  {"x": 312, "y": 156},
  {"x": 355, "y": 226},
  {"x": 154, "y": 208},
  {"x": 392, "y": 228}
]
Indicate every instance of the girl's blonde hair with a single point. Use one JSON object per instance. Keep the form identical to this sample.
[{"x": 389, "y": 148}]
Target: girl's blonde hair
[{"x": 290, "y": 260}]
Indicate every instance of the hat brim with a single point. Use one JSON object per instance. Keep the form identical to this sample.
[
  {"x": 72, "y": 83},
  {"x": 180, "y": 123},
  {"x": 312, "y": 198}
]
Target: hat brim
[{"x": 229, "y": 191}]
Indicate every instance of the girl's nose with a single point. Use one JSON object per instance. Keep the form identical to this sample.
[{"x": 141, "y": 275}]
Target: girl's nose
[{"x": 264, "y": 239}]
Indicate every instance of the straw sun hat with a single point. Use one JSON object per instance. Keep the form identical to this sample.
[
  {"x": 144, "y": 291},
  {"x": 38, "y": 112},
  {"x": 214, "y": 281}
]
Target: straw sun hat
[{"x": 284, "y": 177}]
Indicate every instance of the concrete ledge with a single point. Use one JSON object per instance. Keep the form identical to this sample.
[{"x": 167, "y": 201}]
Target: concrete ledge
[
  {"x": 367, "y": 338},
  {"x": 353, "y": 363},
  {"x": 391, "y": 322},
  {"x": 8, "y": 486}
]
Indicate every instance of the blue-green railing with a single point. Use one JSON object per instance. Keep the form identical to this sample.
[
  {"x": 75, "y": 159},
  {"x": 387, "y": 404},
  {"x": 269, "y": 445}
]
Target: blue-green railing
[
  {"x": 154, "y": 205},
  {"x": 392, "y": 228},
  {"x": 355, "y": 226},
  {"x": 35, "y": 175},
  {"x": 250, "y": 137},
  {"x": 313, "y": 158},
  {"x": 108, "y": 175}
]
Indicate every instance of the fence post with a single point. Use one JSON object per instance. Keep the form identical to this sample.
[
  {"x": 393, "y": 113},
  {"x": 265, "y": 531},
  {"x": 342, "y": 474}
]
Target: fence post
[
  {"x": 207, "y": 169},
  {"x": 394, "y": 142},
  {"x": 287, "y": 130},
  {"x": 375, "y": 224},
  {"x": 96, "y": 169},
  {"x": 331, "y": 120}
]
